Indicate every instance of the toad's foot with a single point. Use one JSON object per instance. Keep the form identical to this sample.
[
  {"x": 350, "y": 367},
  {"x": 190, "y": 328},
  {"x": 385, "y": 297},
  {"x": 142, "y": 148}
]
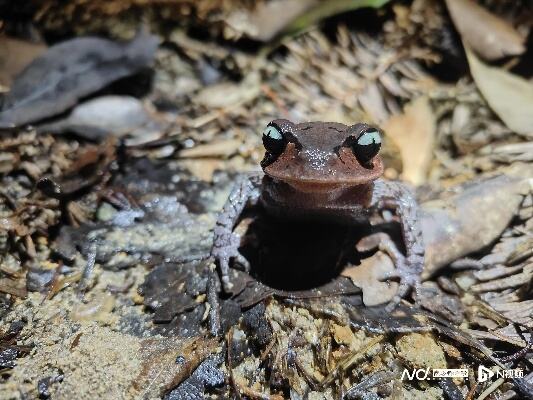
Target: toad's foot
[
  {"x": 225, "y": 249},
  {"x": 408, "y": 280},
  {"x": 225, "y": 242},
  {"x": 407, "y": 270}
]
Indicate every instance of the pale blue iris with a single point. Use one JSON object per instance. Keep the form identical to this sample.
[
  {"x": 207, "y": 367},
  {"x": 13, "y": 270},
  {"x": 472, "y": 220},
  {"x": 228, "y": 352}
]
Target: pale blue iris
[
  {"x": 273, "y": 133},
  {"x": 369, "y": 138}
]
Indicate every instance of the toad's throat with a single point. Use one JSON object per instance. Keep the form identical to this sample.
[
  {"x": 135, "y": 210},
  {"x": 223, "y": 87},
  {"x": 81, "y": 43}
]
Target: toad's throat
[{"x": 307, "y": 179}]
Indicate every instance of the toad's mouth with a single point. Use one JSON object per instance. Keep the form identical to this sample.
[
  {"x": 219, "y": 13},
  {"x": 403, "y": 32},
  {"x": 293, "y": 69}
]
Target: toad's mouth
[
  {"x": 312, "y": 184},
  {"x": 295, "y": 192},
  {"x": 309, "y": 179},
  {"x": 322, "y": 184}
]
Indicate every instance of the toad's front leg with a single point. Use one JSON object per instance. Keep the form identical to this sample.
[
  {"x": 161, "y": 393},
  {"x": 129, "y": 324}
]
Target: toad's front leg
[
  {"x": 397, "y": 197},
  {"x": 225, "y": 242}
]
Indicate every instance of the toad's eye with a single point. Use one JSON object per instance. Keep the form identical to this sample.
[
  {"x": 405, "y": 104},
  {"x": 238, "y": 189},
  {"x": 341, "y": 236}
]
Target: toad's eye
[
  {"x": 273, "y": 140},
  {"x": 367, "y": 145}
]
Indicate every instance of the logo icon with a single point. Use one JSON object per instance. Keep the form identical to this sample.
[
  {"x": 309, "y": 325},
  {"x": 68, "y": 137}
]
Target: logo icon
[{"x": 484, "y": 374}]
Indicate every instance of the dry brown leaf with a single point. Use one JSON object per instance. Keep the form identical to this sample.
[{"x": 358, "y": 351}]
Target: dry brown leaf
[
  {"x": 222, "y": 148},
  {"x": 160, "y": 370},
  {"x": 488, "y": 35},
  {"x": 368, "y": 276},
  {"x": 509, "y": 95},
  {"x": 414, "y": 134}
]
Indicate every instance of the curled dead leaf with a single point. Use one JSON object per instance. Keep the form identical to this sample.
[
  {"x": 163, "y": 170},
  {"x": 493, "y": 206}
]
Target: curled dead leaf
[
  {"x": 487, "y": 34},
  {"x": 508, "y": 95}
]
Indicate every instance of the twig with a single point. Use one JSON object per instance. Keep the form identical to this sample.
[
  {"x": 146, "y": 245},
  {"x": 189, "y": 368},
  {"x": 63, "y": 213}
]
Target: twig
[
  {"x": 491, "y": 389},
  {"x": 471, "y": 392},
  {"x": 520, "y": 353}
]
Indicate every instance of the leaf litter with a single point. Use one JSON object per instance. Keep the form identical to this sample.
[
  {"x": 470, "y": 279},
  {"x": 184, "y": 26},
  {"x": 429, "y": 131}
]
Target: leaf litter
[{"x": 113, "y": 238}]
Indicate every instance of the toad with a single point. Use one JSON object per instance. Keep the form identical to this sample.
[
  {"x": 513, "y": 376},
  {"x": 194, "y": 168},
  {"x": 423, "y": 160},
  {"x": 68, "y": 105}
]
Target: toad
[{"x": 324, "y": 171}]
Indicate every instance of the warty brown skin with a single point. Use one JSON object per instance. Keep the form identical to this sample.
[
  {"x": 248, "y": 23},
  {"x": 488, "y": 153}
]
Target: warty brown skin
[{"x": 320, "y": 171}]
